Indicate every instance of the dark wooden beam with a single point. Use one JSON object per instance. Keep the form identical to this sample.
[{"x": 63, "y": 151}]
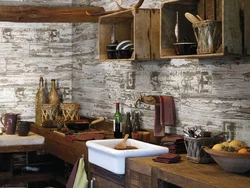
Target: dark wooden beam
[{"x": 49, "y": 14}]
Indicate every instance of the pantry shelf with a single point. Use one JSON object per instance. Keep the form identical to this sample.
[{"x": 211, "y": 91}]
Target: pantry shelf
[
  {"x": 141, "y": 26},
  {"x": 234, "y": 16}
]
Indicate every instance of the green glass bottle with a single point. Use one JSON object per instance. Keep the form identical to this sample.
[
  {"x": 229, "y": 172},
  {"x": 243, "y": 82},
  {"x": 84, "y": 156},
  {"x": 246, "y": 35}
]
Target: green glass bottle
[
  {"x": 128, "y": 125},
  {"x": 117, "y": 122},
  {"x": 136, "y": 123}
]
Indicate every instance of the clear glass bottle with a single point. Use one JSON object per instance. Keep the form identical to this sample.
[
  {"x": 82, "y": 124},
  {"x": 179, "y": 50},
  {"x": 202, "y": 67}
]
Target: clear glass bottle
[
  {"x": 40, "y": 99},
  {"x": 117, "y": 122},
  {"x": 128, "y": 125}
]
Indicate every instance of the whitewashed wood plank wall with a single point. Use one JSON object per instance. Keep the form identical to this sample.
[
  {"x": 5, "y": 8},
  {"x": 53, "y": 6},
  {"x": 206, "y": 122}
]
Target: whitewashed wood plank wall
[{"x": 207, "y": 93}]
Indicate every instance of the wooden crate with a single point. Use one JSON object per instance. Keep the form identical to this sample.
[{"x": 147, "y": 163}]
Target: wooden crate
[
  {"x": 228, "y": 12},
  {"x": 141, "y": 26}
]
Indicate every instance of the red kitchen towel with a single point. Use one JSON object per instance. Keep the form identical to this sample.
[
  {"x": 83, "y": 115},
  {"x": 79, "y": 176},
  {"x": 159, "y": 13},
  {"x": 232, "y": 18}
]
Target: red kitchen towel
[
  {"x": 168, "y": 158},
  {"x": 164, "y": 114}
]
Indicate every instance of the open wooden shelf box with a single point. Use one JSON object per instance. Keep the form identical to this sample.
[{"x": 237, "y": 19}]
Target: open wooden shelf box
[
  {"x": 141, "y": 26},
  {"x": 234, "y": 16}
]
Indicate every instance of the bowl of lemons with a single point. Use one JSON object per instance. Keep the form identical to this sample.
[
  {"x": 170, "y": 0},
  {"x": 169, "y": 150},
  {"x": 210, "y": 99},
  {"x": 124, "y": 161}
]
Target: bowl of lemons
[{"x": 232, "y": 156}]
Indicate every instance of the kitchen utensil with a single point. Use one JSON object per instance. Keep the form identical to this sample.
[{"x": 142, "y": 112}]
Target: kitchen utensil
[
  {"x": 191, "y": 17},
  {"x": 122, "y": 144},
  {"x": 81, "y": 124},
  {"x": 185, "y": 48},
  {"x": 9, "y": 122},
  {"x": 127, "y": 148},
  {"x": 199, "y": 18}
]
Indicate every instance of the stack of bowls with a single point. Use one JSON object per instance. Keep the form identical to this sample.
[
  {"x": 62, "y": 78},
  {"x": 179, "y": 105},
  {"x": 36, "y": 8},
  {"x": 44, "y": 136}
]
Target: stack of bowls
[
  {"x": 111, "y": 50},
  {"x": 124, "y": 49}
]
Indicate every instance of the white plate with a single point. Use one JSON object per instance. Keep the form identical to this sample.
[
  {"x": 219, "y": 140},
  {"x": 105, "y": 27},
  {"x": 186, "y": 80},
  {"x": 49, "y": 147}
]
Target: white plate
[
  {"x": 128, "y": 46},
  {"x": 123, "y": 43}
]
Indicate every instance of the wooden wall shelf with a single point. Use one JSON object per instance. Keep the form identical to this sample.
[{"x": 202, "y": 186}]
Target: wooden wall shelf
[
  {"x": 234, "y": 16},
  {"x": 48, "y": 14},
  {"x": 141, "y": 26}
]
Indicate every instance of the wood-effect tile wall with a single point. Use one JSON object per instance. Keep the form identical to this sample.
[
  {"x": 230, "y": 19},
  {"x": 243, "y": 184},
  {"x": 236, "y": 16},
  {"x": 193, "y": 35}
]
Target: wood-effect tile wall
[
  {"x": 214, "y": 94},
  {"x": 28, "y": 51}
]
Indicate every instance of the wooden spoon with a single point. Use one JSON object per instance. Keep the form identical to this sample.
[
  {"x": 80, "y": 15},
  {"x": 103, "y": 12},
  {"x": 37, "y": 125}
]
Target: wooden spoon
[
  {"x": 192, "y": 18},
  {"x": 199, "y": 18},
  {"x": 122, "y": 144}
]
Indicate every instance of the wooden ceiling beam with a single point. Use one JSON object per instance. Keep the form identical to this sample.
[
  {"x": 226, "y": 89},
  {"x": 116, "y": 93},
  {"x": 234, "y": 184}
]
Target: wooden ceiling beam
[{"x": 48, "y": 14}]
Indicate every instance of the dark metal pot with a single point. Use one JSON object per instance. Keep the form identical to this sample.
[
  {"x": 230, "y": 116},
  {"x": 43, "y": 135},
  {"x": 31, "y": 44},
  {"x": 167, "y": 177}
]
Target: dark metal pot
[
  {"x": 185, "y": 48},
  {"x": 81, "y": 124}
]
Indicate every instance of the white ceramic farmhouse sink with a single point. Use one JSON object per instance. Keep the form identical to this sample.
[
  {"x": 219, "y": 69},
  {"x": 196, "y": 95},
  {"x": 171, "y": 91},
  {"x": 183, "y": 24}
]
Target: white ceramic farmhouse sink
[{"x": 103, "y": 154}]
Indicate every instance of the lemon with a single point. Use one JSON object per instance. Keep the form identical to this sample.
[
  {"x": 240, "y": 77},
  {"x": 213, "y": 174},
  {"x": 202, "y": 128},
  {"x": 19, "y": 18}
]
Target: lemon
[
  {"x": 218, "y": 147},
  {"x": 225, "y": 144},
  {"x": 237, "y": 144}
]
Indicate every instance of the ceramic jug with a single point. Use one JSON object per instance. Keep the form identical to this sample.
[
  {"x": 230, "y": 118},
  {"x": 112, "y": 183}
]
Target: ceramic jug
[{"x": 9, "y": 121}]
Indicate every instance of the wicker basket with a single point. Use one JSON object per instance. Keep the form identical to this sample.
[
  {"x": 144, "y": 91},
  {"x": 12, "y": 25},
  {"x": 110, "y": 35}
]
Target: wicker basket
[
  {"x": 49, "y": 112},
  {"x": 70, "y": 111},
  {"x": 195, "y": 153},
  {"x": 208, "y": 34}
]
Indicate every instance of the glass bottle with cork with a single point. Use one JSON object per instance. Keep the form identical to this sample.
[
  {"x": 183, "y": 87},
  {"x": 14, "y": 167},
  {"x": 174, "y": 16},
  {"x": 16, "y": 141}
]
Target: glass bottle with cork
[
  {"x": 40, "y": 99},
  {"x": 53, "y": 98},
  {"x": 117, "y": 122},
  {"x": 136, "y": 122},
  {"x": 128, "y": 125}
]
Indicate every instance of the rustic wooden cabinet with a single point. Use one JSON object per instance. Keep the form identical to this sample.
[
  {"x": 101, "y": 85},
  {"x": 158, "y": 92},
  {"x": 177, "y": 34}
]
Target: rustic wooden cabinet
[
  {"x": 101, "y": 178},
  {"x": 141, "y": 26},
  {"x": 234, "y": 17}
]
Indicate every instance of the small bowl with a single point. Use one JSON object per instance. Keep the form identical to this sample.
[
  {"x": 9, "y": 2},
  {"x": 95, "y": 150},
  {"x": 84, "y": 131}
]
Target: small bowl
[
  {"x": 229, "y": 161},
  {"x": 123, "y": 43},
  {"x": 111, "y": 54},
  {"x": 23, "y": 128},
  {"x": 124, "y": 54},
  {"x": 81, "y": 124},
  {"x": 185, "y": 48}
]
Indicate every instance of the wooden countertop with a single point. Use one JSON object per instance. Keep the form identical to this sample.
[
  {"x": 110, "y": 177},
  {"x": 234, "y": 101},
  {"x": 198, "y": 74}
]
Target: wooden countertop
[
  {"x": 188, "y": 174},
  {"x": 59, "y": 146},
  {"x": 15, "y": 143}
]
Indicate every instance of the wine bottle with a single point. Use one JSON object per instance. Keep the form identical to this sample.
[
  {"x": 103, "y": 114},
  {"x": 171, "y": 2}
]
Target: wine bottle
[
  {"x": 40, "y": 99},
  {"x": 136, "y": 123},
  {"x": 117, "y": 122},
  {"x": 128, "y": 125}
]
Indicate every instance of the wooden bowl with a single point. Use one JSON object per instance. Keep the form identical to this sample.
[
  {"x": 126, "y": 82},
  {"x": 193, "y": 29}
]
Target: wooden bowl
[{"x": 229, "y": 161}]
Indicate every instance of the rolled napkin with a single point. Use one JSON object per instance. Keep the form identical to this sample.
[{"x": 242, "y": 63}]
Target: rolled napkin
[{"x": 168, "y": 158}]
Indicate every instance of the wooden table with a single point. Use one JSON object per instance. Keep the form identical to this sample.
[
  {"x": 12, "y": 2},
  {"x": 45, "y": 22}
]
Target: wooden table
[
  {"x": 188, "y": 174},
  {"x": 10, "y": 144}
]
